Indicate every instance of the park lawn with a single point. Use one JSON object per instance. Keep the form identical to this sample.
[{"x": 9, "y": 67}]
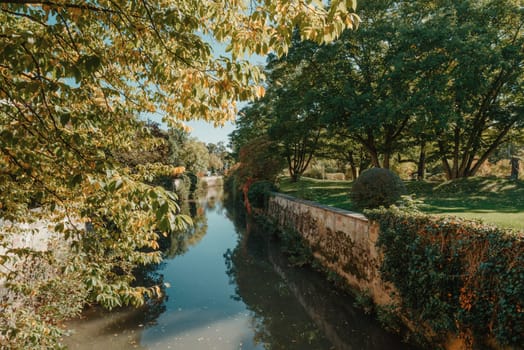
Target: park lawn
[{"x": 492, "y": 200}]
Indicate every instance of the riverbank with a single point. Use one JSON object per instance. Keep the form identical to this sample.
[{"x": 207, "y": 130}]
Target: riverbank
[{"x": 451, "y": 283}]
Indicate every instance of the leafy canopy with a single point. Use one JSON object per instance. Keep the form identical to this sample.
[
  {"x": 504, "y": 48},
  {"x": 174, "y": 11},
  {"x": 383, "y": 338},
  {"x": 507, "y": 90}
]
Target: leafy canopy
[{"x": 74, "y": 77}]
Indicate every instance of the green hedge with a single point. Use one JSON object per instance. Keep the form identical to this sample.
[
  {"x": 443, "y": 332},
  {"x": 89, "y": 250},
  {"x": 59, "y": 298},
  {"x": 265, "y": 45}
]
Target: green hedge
[
  {"x": 259, "y": 192},
  {"x": 455, "y": 275},
  {"x": 376, "y": 187}
]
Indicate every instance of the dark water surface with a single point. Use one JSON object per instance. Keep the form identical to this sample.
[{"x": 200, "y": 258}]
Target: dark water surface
[{"x": 230, "y": 288}]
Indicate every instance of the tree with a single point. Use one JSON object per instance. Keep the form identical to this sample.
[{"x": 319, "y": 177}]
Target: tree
[
  {"x": 469, "y": 86},
  {"x": 194, "y": 156},
  {"x": 338, "y": 145},
  {"x": 468, "y": 58},
  {"x": 219, "y": 156},
  {"x": 152, "y": 146},
  {"x": 74, "y": 78},
  {"x": 177, "y": 140},
  {"x": 444, "y": 77},
  {"x": 259, "y": 160},
  {"x": 253, "y": 121},
  {"x": 296, "y": 116},
  {"x": 372, "y": 99}
]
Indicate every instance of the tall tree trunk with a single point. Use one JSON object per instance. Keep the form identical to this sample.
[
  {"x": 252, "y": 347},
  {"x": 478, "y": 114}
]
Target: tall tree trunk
[
  {"x": 456, "y": 151},
  {"x": 421, "y": 166},
  {"x": 374, "y": 159},
  {"x": 351, "y": 160},
  {"x": 386, "y": 161},
  {"x": 445, "y": 163},
  {"x": 514, "y": 162}
]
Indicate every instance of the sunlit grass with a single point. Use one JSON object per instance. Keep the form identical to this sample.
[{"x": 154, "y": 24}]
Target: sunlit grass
[{"x": 494, "y": 201}]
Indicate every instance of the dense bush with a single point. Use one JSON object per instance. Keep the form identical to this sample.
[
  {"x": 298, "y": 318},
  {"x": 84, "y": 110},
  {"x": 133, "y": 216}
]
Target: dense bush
[
  {"x": 258, "y": 193},
  {"x": 376, "y": 187},
  {"x": 454, "y": 275},
  {"x": 314, "y": 173}
]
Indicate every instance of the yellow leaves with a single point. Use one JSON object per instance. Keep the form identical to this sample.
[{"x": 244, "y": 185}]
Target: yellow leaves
[
  {"x": 154, "y": 245},
  {"x": 178, "y": 170},
  {"x": 260, "y": 91},
  {"x": 100, "y": 101},
  {"x": 75, "y": 13}
]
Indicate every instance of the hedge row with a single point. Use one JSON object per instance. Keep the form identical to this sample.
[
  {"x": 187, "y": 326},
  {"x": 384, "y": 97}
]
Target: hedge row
[{"x": 457, "y": 276}]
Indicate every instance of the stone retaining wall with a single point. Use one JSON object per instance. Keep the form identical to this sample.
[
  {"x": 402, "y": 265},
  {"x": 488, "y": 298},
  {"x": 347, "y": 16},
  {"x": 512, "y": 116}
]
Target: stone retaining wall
[{"x": 341, "y": 240}]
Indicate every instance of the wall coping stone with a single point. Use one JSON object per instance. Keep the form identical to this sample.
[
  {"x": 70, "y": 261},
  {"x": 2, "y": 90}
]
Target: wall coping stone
[{"x": 352, "y": 214}]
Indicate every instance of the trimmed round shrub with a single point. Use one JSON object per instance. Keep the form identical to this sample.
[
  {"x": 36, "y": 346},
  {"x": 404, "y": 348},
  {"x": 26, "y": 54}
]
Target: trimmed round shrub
[
  {"x": 258, "y": 193},
  {"x": 376, "y": 187}
]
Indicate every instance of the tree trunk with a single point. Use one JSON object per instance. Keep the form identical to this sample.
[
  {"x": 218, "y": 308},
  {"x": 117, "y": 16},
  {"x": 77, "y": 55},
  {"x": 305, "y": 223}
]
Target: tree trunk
[
  {"x": 421, "y": 166},
  {"x": 386, "y": 161},
  {"x": 454, "y": 171},
  {"x": 351, "y": 161},
  {"x": 374, "y": 159},
  {"x": 514, "y": 168}
]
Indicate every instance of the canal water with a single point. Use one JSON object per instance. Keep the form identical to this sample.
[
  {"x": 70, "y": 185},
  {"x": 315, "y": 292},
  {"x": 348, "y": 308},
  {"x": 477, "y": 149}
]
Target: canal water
[{"x": 228, "y": 287}]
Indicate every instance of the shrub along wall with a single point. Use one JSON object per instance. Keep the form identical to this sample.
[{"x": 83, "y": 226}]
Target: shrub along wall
[
  {"x": 452, "y": 278},
  {"x": 457, "y": 276}
]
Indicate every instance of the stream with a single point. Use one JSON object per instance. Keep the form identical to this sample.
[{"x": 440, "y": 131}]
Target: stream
[{"x": 228, "y": 287}]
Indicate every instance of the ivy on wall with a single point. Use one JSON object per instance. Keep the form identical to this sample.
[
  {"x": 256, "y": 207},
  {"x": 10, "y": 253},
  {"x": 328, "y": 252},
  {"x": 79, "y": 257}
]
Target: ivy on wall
[{"x": 455, "y": 275}]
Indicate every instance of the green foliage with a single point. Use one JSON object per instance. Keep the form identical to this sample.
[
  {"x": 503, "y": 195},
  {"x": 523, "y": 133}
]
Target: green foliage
[
  {"x": 194, "y": 156},
  {"x": 388, "y": 316},
  {"x": 298, "y": 251},
  {"x": 40, "y": 281},
  {"x": 364, "y": 301},
  {"x": 218, "y": 157},
  {"x": 259, "y": 193},
  {"x": 376, "y": 187},
  {"x": 232, "y": 188},
  {"x": 193, "y": 181},
  {"x": 315, "y": 173},
  {"x": 435, "y": 81},
  {"x": 454, "y": 275},
  {"x": 151, "y": 146}
]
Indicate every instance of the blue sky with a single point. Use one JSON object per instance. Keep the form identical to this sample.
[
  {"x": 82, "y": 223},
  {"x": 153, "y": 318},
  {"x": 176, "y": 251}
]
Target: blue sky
[
  {"x": 207, "y": 133},
  {"x": 202, "y": 130}
]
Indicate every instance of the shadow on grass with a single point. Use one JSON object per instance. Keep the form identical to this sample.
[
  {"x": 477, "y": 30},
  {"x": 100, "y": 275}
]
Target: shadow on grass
[{"x": 493, "y": 199}]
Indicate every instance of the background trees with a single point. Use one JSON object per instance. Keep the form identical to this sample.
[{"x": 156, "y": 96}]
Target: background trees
[
  {"x": 436, "y": 83},
  {"x": 194, "y": 156},
  {"x": 468, "y": 58}
]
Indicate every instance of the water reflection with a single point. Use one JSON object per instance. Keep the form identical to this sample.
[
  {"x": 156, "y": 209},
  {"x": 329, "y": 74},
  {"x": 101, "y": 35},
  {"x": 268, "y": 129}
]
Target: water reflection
[
  {"x": 295, "y": 308},
  {"x": 231, "y": 289}
]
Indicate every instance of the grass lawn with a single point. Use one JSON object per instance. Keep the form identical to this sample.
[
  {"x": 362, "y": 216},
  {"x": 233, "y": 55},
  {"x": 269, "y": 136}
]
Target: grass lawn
[{"x": 494, "y": 201}]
